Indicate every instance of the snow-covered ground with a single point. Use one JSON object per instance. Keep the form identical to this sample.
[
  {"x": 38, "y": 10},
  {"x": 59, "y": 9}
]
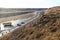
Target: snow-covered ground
[{"x": 13, "y": 23}]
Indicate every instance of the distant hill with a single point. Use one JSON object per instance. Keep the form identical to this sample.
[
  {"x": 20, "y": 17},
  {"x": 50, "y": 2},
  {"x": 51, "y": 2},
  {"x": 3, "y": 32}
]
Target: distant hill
[{"x": 20, "y": 9}]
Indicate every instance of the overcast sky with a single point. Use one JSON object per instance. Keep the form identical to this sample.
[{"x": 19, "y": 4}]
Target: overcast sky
[{"x": 29, "y": 3}]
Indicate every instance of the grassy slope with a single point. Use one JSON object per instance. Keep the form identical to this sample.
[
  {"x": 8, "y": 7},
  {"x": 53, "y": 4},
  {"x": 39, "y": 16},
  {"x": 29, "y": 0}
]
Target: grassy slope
[{"x": 49, "y": 29}]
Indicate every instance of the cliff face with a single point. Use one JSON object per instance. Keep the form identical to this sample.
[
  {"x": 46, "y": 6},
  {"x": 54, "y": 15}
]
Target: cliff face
[{"x": 48, "y": 28}]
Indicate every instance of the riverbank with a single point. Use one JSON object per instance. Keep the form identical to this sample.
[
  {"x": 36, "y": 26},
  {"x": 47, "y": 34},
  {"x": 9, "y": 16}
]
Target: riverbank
[{"x": 16, "y": 17}]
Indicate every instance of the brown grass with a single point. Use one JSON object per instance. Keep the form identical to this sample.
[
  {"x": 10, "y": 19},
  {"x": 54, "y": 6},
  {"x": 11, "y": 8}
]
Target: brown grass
[
  {"x": 16, "y": 17},
  {"x": 47, "y": 29}
]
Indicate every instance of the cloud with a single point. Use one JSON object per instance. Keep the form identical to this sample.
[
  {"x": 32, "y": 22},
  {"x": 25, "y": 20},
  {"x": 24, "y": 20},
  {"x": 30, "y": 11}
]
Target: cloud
[{"x": 28, "y": 3}]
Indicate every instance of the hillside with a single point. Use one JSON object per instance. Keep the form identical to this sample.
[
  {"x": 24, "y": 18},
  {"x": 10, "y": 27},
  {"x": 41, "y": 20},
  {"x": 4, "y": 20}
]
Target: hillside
[
  {"x": 53, "y": 10},
  {"x": 48, "y": 28}
]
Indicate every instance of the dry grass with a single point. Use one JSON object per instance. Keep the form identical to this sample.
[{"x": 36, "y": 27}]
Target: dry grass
[
  {"x": 16, "y": 17},
  {"x": 49, "y": 29}
]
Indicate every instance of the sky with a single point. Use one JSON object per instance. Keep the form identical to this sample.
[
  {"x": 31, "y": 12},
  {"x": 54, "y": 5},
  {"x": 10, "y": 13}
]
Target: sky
[{"x": 29, "y": 3}]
